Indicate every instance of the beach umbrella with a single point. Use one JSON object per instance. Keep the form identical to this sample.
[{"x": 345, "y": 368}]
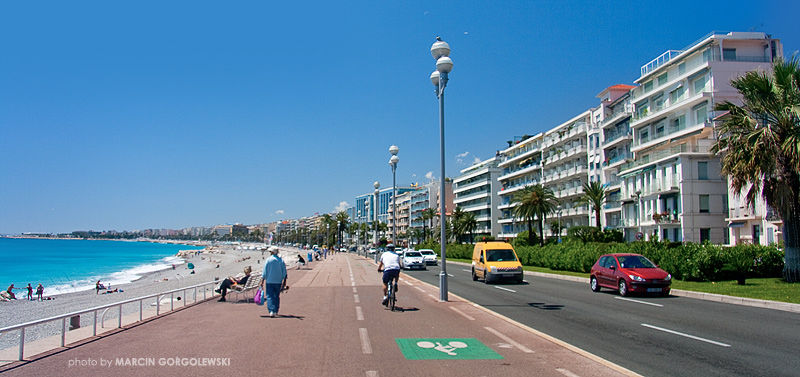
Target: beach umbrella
[{"x": 191, "y": 266}]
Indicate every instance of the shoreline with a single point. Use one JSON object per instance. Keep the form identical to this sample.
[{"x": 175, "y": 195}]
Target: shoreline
[{"x": 229, "y": 259}]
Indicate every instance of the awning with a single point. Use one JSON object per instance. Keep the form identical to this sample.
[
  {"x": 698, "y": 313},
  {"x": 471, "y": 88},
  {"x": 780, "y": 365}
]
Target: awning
[{"x": 736, "y": 224}]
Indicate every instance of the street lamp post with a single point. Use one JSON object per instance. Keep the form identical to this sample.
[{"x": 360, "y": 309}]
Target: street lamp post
[
  {"x": 638, "y": 214},
  {"x": 375, "y": 217},
  {"x": 558, "y": 208},
  {"x": 440, "y": 51},
  {"x": 393, "y": 162}
]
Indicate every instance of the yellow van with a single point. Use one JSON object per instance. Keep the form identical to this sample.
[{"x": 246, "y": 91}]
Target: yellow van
[{"x": 494, "y": 261}]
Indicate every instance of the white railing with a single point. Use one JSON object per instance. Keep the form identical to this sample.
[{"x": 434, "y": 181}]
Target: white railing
[{"x": 105, "y": 308}]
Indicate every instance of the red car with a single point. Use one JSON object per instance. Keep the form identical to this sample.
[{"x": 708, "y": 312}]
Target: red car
[{"x": 629, "y": 273}]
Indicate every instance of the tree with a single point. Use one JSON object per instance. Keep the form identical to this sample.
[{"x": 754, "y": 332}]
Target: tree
[
  {"x": 428, "y": 214},
  {"x": 535, "y": 201},
  {"x": 760, "y": 146},
  {"x": 468, "y": 224},
  {"x": 594, "y": 195},
  {"x": 456, "y": 218}
]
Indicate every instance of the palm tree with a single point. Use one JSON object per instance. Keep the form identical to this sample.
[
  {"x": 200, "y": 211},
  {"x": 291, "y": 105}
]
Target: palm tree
[
  {"x": 594, "y": 195},
  {"x": 428, "y": 214},
  {"x": 535, "y": 201},
  {"x": 760, "y": 142},
  {"x": 468, "y": 224},
  {"x": 342, "y": 220},
  {"x": 458, "y": 230}
]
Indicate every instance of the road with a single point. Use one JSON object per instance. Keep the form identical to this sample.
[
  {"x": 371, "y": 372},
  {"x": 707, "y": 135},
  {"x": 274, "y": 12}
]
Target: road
[{"x": 653, "y": 336}]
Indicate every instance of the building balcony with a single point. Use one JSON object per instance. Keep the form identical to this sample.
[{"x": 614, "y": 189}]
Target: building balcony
[
  {"x": 461, "y": 187},
  {"x": 532, "y": 168},
  {"x": 656, "y": 156},
  {"x": 473, "y": 196},
  {"x": 618, "y": 139}
]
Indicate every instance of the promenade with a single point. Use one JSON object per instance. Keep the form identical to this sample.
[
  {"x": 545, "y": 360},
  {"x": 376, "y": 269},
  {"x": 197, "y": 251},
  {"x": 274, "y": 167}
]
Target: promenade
[{"x": 330, "y": 323}]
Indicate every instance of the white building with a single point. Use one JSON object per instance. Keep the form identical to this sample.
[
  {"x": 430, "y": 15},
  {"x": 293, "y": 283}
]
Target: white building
[
  {"x": 476, "y": 191},
  {"x": 673, "y": 188}
]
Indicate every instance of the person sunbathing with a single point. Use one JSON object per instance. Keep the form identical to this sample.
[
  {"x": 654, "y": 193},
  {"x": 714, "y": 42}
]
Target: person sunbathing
[{"x": 233, "y": 283}]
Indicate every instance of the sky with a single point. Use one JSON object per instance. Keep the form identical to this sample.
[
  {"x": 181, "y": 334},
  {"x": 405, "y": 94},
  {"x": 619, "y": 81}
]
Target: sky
[{"x": 153, "y": 114}]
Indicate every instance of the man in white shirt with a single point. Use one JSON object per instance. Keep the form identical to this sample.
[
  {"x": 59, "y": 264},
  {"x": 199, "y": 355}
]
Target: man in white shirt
[{"x": 390, "y": 266}]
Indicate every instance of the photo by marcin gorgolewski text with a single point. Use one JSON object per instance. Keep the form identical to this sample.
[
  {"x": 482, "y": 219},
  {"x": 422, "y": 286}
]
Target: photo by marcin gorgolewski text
[{"x": 151, "y": 362}]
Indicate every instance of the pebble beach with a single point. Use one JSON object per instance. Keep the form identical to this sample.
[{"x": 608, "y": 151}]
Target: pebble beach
[{"x": 214, "y": 263}]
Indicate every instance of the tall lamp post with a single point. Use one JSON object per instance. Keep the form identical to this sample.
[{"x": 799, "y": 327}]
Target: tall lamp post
[
  {"x": 375, "y": 217},
  {"x": 441, "y": 51},
  {"x": 638, "y": 215},
  {"x": 393, "y": 161}
]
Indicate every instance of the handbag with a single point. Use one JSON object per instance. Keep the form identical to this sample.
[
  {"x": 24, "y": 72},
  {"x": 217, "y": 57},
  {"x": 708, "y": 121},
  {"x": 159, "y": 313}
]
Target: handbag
[{"x": 259, "y": 297}]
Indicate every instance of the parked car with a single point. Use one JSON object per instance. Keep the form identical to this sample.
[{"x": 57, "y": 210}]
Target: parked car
[
  {"x": 629, "y": 273},
  {"x": 430, "y": 257},
  {"x": 413, "y": 259},
  {"x": 373, "y": 250}
]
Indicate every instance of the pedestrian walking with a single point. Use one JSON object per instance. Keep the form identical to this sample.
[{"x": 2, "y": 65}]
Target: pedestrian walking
[
  {"x": 30, "y": 292},
  {"x": 273, "y": 281}
]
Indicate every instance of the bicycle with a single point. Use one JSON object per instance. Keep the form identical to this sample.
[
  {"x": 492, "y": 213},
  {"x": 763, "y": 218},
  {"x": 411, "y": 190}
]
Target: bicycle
[{"x": 391, "y": 297}]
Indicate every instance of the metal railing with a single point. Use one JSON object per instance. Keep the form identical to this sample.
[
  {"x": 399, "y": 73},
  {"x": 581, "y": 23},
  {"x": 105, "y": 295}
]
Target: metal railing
[{"x": 105, "y": 308}]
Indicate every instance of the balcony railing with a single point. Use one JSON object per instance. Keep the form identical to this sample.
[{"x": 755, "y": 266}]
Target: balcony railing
[{"x": 655, "y": 156}]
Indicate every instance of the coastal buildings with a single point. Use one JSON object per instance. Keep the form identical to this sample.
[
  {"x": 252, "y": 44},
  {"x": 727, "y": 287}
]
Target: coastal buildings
[{"x": 476, "y": 190}]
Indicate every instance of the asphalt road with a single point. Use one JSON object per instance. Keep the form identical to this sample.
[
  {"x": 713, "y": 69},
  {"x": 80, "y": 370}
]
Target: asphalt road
[{"x": 653, "y": 336}]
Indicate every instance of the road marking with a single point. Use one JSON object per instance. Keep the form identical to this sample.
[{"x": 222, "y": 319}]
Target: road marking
[
  {"x": 466, "y": 270},
  {"x": 355, "y": 290},
  {"x": 451, "y": 275},
  {"x": 509, "y": 340},
  {"x": 359, "y": 314},
  {"x": 356, "y": 299},
  {"x": 506, "y": 289},
  {"x": 433, "y": 297},
  {"x": 686, "y": 335},
  {"x": 366, "y": 348},
  {"x": 462, "y": 313},
  {"x": 353, "y": 284},
  {"x": 639, "y": 302},
  {"x": 419, "y": 289},
  {"x": 566, "y": 372},
  {"x": 372, "y": 373}
]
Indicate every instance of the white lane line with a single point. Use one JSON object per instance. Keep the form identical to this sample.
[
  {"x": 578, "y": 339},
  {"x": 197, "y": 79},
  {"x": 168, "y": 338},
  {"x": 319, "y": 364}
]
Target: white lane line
[
  {"x": 506, "y": 289},
  {"x": 509, "y": 340},
  {"x": 639, "y": 302},
  {"x": 566, "y": 372},
  {"x": 686, "y": 335},
  {"x": 466, "y": 270},
  {"x": 433, "y": 297},
  {"x": 355, "y": 290},
  {"x": 352, "y": 284},
  {"x": 356, "y": 299},
  {"x": 372, "y": 373},
  {"x": 359, "y": 314},
  {"x": 366, "y": 348},
  {"x": 465, "y": 315},
  {"x": 419, "y": 289},
  {"x": 451, "y": 275}
]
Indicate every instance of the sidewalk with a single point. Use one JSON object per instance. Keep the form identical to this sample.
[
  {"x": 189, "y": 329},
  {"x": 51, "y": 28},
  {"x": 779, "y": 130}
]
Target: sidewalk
[{"x": 331, "y": 323}]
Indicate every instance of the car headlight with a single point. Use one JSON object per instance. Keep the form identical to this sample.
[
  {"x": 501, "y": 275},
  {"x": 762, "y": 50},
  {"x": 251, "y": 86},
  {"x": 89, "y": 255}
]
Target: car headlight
[
  {"x": 668, "y": 278},
  {"x": 636, "y": 278},
  {"x": 493, "y": 268}
]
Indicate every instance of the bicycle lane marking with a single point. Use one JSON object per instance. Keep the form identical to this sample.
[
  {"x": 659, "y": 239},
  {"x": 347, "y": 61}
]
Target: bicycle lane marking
[{"x": 509, "y": 340}]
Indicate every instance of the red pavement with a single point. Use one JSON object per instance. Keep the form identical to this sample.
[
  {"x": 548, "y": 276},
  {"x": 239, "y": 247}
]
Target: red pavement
[{"x": 330, "y": 323}]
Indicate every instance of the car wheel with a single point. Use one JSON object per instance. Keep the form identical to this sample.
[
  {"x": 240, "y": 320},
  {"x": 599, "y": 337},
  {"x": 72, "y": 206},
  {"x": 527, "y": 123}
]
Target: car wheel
[
  {"x": 485, "y": 277},
  {"x": 623, "y": 288},
  {"x": 474, "y": 277},
  {"x": 593, "y": 283},
  {"x": 665, "y": 292}
]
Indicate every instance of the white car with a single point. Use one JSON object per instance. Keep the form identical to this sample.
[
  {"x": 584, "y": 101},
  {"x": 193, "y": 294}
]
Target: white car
[
  {"x": 430, "y": 257},
  {"x": 413, "y": 259},
  {"x": 373, "y": 250}
]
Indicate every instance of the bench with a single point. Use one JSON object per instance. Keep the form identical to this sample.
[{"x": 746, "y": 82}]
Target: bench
[{"x": 253, "y": 282}]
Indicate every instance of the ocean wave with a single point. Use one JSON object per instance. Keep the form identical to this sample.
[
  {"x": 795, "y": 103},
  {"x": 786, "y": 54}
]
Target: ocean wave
[{"x": 116, "y": 279}]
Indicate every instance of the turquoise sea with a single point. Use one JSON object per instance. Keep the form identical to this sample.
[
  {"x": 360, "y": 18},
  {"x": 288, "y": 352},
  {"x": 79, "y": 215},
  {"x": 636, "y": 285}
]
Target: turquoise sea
[{"x": 63, "y": 266}]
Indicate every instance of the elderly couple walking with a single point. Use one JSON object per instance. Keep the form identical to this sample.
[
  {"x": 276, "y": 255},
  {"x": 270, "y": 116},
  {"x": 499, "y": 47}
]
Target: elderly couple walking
[{"x": 273, "y": 281}]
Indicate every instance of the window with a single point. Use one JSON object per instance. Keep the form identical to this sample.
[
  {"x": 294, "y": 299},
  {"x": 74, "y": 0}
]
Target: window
[
  {"x": 700, "y": 85},
  {"x": 662, "y": 79},
  {"x": 726, "y": 236},
  {"x": 644, "y": 136},
  {"x": 756, "y": 234},
  {"x": 700, "y": 113},
  {"x": 648, "y": 86},
  {"x": 705, "y": 234},
  {"x": 725, "y": 204},
  {"x": 676, "y": 95},
  {"x": 681, "y": 68},
  {"x": 704, "y": 206},
  {"x": 702, "y": 170},
  {"x": 678, "y": 124},
  {"x": 729, "y": 54}
]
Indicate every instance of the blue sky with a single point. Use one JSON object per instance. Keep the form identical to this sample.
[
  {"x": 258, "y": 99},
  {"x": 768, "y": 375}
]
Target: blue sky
[{"x": 135, "y": 115}]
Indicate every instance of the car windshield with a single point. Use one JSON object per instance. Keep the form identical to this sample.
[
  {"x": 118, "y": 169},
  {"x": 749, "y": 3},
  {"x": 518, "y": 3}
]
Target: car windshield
[
  {"x": 427, "y": 252},
  {"x": 414, "y": 254},
  {"x": 503, "y": 255},
  {"x": 635, "y": 261}
]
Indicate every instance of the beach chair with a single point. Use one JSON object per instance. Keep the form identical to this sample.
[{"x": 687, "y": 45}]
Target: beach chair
[{"x": 253, "y": 282}]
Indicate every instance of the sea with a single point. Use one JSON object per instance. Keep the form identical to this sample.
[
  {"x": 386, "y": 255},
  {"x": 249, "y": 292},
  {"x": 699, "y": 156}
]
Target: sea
[{"x": 65, "y": 266}]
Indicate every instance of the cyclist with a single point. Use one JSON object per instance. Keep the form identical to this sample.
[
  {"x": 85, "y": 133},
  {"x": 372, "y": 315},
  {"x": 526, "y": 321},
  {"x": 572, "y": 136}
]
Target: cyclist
[{"x": 390, "y": 266}]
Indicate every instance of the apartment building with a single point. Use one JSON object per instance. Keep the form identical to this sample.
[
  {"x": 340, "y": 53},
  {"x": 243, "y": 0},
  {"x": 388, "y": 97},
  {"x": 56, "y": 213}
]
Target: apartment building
[
  {"x": 520, "y": 165},
  {"x": 476, "y": 190},
  {"x": 673, "y": 188}
]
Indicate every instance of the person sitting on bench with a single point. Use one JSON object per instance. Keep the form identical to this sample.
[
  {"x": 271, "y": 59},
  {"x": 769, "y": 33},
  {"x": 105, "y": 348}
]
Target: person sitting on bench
[{"x": 232, "y": 283}]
